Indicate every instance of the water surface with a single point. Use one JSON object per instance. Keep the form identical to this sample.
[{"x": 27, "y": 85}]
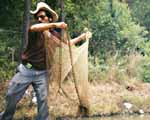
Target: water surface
[{"x": 119, "y": 117}]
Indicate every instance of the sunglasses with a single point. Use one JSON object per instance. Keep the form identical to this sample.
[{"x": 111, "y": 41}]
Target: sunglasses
[{"x": 41, "y": 16}]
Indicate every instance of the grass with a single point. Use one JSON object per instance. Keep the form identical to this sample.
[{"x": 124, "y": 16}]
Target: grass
[
  {"x": 106, "y": 99},
  {"x": 119, "y": 82}
]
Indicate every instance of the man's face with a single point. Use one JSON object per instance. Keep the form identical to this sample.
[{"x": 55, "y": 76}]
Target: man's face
[{"x": 41, "y": 17}]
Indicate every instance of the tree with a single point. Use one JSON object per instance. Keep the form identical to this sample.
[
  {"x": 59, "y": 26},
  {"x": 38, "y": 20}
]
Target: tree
[{"x": 11, "y": 14}]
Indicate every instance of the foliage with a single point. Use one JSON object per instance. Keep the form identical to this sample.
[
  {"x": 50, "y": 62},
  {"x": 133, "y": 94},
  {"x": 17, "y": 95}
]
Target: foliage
[
  {"x": 96, "y": 72},
  {"x": 11, "y": 14},
  {"x": 116, "y": 28},
  {"x": 141, "y": 12},
  {"x": 7, "y": 69},
  {"x": 120, "y": 33},
  {"x": 117, "y": 69},
  {"x": 9, "y": 43},
  {"x": 145, "y": 71},
  {"x": 111, "y": 23}
]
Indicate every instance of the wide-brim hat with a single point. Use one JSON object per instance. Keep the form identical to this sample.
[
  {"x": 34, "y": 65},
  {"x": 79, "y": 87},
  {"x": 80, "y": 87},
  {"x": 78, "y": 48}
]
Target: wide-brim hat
[{"x": 44, "y": 6}]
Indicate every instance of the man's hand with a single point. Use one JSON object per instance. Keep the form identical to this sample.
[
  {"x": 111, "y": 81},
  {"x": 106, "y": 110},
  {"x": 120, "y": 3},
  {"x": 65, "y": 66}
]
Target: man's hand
[
  {"x": 61, "y": 25},
  {"x": 87, "y": 35}
]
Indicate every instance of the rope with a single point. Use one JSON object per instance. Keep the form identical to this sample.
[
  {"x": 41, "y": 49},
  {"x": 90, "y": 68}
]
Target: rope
[
  {"x": 73, "y": 71},
  {"x": 82, "y": 110},
  {"x": 60, "y": 55}
]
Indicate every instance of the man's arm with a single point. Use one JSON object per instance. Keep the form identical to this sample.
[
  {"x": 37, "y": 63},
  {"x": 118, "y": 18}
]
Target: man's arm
[
  {"x": 46, "y": 26},
  {"x": 83, "y": 36},
  {"x": 77, "y": 39}
]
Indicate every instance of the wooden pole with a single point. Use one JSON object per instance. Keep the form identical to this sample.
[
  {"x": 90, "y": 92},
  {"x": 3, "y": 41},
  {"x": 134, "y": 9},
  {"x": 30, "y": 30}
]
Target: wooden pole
[
  {"x": 62, "y": 11},
  {"x": 26, "y": 22}
]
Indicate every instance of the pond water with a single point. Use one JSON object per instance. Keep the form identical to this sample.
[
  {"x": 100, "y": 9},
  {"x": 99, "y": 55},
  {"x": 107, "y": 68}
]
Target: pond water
[{"x": 119, "y": 117}]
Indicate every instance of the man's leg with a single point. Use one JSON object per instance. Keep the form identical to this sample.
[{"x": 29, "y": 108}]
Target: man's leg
[
  {"x": 40, "y": 87},
  {"x": 1, "y": 114},
  {"x": 17, "y": 87}
]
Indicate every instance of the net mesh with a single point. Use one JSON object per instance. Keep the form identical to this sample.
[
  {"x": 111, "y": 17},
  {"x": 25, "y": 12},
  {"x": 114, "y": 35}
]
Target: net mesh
[{"x": 65, "y": 90}]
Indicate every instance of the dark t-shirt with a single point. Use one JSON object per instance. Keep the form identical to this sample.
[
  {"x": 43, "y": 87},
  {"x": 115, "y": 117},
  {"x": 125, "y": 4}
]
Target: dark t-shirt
[{"x": 35, "y": 52}]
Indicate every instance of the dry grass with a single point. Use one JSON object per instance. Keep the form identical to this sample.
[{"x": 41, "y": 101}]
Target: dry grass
[
  {"x": 106, "y": 98},
  {"x": 108, "y": 91}
]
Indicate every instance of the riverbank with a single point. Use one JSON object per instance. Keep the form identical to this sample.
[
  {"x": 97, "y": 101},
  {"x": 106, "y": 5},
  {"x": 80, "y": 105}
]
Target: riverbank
[
  {"x": 109, "y": 98},
  {"x": 106, "y": 98}
]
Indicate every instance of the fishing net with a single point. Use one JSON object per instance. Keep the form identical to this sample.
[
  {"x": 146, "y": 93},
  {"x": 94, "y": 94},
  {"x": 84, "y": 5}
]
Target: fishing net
[{"x": 68, "y": 76}]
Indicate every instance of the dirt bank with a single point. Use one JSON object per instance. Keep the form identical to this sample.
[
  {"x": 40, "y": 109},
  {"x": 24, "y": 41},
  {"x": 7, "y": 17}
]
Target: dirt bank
[{"x": 105, "y": 99}]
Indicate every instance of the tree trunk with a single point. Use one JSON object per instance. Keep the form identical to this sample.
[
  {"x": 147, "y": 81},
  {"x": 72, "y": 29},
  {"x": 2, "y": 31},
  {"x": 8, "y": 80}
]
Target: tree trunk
[{"x": 26, "y": 22}]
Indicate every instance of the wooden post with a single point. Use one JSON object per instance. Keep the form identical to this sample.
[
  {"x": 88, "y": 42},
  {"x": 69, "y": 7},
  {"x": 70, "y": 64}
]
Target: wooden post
[
  {"x": 26, "y": 22},
  {"x": 62, "y": 11},
  {"x": 27, "y": 5}
]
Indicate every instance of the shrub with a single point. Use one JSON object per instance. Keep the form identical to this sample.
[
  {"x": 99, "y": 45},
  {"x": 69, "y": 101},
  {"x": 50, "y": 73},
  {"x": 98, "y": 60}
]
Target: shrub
[
  {"x": 145, "y": 71},
  {"x": 9, "y": 49}
]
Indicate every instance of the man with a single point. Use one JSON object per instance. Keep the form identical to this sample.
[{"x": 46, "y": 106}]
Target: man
[{"x": 32, "y": 71}]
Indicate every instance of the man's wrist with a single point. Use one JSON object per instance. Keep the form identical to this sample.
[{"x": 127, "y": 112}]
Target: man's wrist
[
  {"x": 53, "y": 25},
  {"x": 82, "y": 36}
]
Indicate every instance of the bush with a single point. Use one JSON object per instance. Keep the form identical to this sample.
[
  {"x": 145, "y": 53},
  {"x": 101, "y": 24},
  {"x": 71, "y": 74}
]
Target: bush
[
  {"x": 7, "y": 70},
  {"x": 122, "y": 70},
  {"x": 9, "y": 49},
  {"x": 145, "y": 71},
  {"x": 114, "y": 30}
]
